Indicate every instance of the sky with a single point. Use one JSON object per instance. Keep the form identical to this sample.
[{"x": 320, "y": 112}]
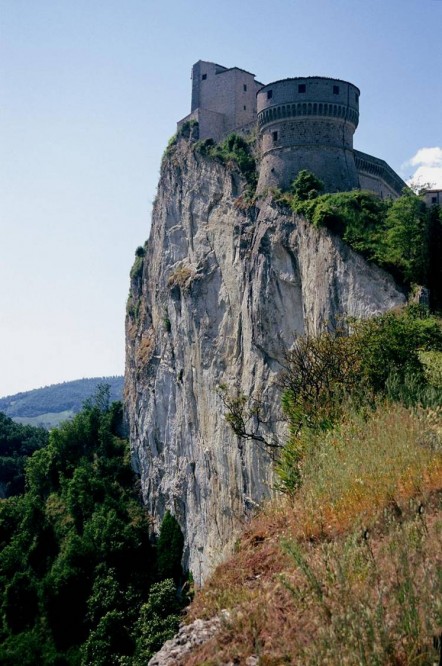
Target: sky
[{"x": 90, "y": 93}]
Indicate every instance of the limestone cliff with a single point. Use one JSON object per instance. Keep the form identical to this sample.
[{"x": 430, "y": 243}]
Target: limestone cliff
[{"x": 221, "y": 293}]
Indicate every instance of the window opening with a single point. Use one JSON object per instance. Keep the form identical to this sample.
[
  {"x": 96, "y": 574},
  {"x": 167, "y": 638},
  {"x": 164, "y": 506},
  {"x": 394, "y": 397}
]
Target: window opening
[
  {"x": 301, "y": 87},
  {"x": 275, "y": 137},
  {"x": 244, "y": 87},
  {"x": 335, "y": 90},
  {"x": 269, "y": 94},
  {"x": 204, "y": 77}
]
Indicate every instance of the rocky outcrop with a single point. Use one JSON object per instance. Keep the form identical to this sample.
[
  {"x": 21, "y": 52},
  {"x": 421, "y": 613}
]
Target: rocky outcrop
[
  {"x": 221, "y": 293},
  {"x": 189, "y": 637}
]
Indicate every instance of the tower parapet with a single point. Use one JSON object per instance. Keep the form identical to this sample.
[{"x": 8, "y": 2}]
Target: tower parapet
[{"x": 308, "y": 123}]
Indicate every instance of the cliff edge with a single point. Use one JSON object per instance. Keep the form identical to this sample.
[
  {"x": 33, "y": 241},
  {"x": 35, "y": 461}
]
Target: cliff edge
[{"x": 222, "y": 291}]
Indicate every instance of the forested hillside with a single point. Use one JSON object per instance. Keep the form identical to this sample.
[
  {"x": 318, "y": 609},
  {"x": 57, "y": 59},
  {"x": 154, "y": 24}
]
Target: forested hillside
[
  {"x": 50, "y": 405},
  {"x": 82, "y": 578}
]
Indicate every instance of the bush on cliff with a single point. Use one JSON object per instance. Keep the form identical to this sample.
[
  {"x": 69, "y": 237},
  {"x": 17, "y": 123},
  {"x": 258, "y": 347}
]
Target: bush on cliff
[
  {"x": 399, "y": 235},
  {"x": 236, "y": 149},
  {"x": 325, "y": 377}
]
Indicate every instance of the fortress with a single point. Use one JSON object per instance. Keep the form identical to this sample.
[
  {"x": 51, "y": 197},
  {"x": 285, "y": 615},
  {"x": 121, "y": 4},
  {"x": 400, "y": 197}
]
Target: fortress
[{"x": 302, "y": 123}]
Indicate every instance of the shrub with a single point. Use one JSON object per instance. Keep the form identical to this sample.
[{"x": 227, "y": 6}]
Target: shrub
[
  {"x": 182, "y": 277},
  {"x": 328, "y": 375},
  {"x": 170, "y": 549},
  {"x": 306, "y": 186},
  {"x": 234, "y": 148},
  {"x": 398, "y": 235},
  {"x": 158, "y": 621},
  {"x": 137, "y": 269}
]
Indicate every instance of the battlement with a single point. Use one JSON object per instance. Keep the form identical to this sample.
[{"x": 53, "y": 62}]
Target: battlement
[{"x": 308, "y": 96}]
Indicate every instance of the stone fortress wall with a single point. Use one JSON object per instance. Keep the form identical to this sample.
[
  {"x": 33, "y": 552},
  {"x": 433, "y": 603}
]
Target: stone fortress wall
[
  {"x": 302, "y": 122},
  {"x": 223, "y": 99},
  {"x": 308, "y": 123}
]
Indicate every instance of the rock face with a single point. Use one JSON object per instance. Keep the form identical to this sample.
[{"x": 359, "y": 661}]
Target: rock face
[{"x": 221, "y": 293}]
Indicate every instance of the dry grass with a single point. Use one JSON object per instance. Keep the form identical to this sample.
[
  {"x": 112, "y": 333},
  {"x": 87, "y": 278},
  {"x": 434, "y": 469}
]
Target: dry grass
[
  {"x": 144, "y": 349},
  {"x": 350, "y": 570},
  {"x": 182, "y": 277}
]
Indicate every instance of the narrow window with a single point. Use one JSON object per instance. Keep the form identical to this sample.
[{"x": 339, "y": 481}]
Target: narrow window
[
  {"x": 301, "y": 87},
  {"x": 204, "y": 77},
  {"x": 433, "y": 200},
  {"x": 275, "y": 137},
  {"x": 244, "y": 87},
  {"x": 245, "y": 108},
  {"x": 335, "y": 90},
  {"x": 269, "y": 94}
]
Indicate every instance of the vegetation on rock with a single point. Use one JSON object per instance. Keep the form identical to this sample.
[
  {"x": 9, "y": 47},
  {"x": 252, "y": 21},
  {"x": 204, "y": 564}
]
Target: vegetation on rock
[
  {"x": 235, "y": 149},
  {"x": 401, "y": 236}
]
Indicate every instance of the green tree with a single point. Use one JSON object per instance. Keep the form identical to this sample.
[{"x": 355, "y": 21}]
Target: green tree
[
  {"x": 170, "y": 548},
  {"x": 158, "y": 621},
  {"x": 406, "y": 243},
  {"x": 17, "y": 443},
  {"x": 307, "y": 186}
]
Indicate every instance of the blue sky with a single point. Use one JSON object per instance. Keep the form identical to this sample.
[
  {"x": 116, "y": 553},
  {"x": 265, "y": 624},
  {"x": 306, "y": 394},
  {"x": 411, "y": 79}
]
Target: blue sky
[{"x": 91, "y": 91}]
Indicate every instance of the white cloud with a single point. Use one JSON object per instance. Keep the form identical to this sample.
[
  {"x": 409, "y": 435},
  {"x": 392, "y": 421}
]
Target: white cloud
[{"x": 429, "y": 167}]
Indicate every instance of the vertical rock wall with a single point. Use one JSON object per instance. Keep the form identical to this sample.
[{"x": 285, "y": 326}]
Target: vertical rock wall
[{"x": 222, "y": 293}]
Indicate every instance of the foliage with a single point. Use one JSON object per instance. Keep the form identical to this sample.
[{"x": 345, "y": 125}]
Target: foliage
[
  {"x": 185, "y": 132},
  {"x": 236, "y": 149},
  {"x": 392, "y": 342},
  {"x": 76, "y": 562},
  {"x": 170, "y": 549},
  {"x": 306, "y": 186},
  {"x": 399, "y": 235},
  {"x": 406, "y": 243},
  {"x": 328, "y": 375},
  {"x": 245, "y": 416},
  {"x": 158, "y": 621},
  {"x": 17, "y": 443},
  {"x": 320, "y": 372},
  {"x": 137, "y": 268}
]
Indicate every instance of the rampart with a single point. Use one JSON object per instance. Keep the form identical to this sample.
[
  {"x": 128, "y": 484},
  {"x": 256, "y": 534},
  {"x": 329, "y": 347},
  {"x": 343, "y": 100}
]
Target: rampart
[{"x": 375, "y": 175}]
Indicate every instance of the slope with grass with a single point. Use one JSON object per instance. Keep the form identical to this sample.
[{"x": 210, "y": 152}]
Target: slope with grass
[{"x": 345, "y": 566}]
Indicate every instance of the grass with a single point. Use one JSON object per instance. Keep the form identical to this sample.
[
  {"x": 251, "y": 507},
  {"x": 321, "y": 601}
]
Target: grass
[{"x": 349, "y": 571}]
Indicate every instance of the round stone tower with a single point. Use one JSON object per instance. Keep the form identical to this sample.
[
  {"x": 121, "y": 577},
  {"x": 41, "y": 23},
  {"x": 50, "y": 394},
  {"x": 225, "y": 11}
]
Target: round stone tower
[{"x": 308, "y": 123}]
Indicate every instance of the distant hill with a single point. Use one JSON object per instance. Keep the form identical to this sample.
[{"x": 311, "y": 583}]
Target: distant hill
[{"x": 50, "y": 405}]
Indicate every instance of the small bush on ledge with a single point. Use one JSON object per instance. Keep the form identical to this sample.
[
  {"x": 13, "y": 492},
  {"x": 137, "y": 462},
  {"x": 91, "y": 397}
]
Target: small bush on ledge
[{"x": 236, "y": 149}]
